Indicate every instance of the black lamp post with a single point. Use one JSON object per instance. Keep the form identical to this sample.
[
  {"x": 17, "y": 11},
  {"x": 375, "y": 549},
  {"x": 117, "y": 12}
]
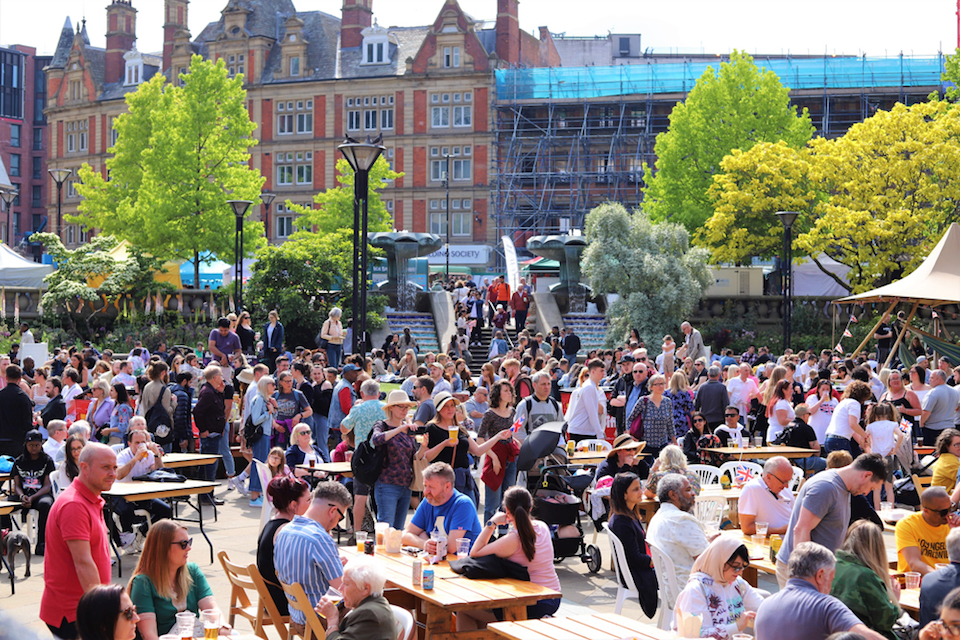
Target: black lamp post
[
  {"x": 446, "y": 184},
  {"x": 8, "y": 196},
  {"x": 239, "y": 209},
  {"x": 786, "y": 269},
  {"x": 361, "y": 156},
  {"x": 60, "y": 176}
]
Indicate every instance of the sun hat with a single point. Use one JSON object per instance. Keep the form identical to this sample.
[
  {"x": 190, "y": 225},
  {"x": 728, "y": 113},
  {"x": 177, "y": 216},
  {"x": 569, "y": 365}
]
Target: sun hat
[
  {"x": 625, "y": 442},
  {"x": 245, "y": 376},
  {"x": 443, "y": 398},
  {"x": 397, "y": 398}
]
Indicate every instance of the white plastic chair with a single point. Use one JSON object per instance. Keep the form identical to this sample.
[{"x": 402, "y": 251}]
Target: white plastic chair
[
  {"x": 669, "y": 589},
  {"x": 599, "y": 445},
  {"x": 266, "y": 511},
  {"x": 705, "y": 473},
  {"x": 32, "y": 526},
  {"x": 404, "y": 622},
  {"x": 797, "y": 480},
  {"x": 623, "y": 576},
  {"x": 730, "y": 468},
  {"x": 709, "y": 511}
]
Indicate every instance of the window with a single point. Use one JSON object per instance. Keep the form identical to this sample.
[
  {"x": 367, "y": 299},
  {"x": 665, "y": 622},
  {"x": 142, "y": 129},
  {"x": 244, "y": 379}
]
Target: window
[
  {"x": 284, "y": 174},
  {"x": 114, "y": 134},
  {"x": 460, "y": 222},
  {"x": 285, "y": 124},
  {"x": 295, "y": 66},
  {"x": 295, "y": 168},
  {"x": 353, "y": 120},
  {"x": 76, "y": 136},
  {"x": 304, "y": 167},
  {"x": 15, "y": 135},
  {"x": 389, "y": 205},
  {"x": 37, "y": 196},
  {"x": 374, "y": 53},
  {"x": 284, "y": 226},
  {"x": 16, "y": 200},
  {"x": 305, "y": 121},
  {"x": 438, "y": 223},
  {"x": 234, "y": 65},
  {"x": 462, "y": 116},
  {"x": 71, "y": 186},
  {"x": 369, "y": 119},
  {"x": 38, "y": 139},
  {"x": 437, "y": 169},
  {"x": 461, "y": 169},
  {"x": 37, "y": 168},
  {"x": 451, "y": 57},
  {"x": 386, "y": 118},
  {"x": 71, "y": 234},
  {"x": 439, "y": 117},
  {"x": 14, "y": 165}
]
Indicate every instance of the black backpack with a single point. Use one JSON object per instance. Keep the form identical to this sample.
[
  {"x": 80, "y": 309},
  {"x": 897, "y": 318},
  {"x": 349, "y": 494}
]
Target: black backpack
[
  {"x": 159, "y": 422},
  {"x": 368, "y": 462},
  {"x": 251, "y": 432}
]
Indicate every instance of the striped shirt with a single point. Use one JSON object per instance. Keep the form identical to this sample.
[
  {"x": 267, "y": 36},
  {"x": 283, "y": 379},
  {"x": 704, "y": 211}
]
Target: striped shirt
[{"x": 305, "y": 553}]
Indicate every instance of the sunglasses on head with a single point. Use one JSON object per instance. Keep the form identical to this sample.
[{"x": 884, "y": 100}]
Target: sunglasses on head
[{"x": 184, "y": 544}]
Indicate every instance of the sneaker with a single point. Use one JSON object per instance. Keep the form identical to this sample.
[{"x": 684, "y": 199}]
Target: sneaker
[
  {"x": 257, "y": 503},
  {"x": 239, "y": 485},
  {"x": 230, "y": 484},
  {"x": 126, "y": 539}
]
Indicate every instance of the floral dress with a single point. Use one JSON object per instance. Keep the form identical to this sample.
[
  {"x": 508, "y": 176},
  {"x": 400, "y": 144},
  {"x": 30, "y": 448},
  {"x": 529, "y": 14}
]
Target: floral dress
[
  {"x": 658, "y": 429},
  {"x": 721, "y": 605},
  {"x": 682, "y": 408}
]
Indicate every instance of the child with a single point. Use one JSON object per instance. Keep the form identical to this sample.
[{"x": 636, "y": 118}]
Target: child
[
  {"x": 883, "y": 427},
  {"x": 666, "y": 365},
  {"x": 276, "y": 462}
]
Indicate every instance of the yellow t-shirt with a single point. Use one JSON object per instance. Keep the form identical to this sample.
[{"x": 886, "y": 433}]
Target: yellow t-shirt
[
  {"x": 913, "y": 531},
  {"x": 945, "y": 472}
]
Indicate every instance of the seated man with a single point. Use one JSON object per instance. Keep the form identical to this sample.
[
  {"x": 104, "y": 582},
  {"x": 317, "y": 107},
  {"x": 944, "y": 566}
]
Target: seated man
[
  {"x": 32, "y": 485},
  {"x": 304, "y": 552},
  {"x": 139, "y": 458},
  {"x": 125, "y": 377},
  {"x": 768, "y": 498},
  {"x": 368, "y": 616},
  {"x": 922, "y": 536},
  {"x": 731, "y": 431},
  {"x": 938, "y": 584},
  {"x": 441, "y": 499},
  {"x": 804, "y": 608}
]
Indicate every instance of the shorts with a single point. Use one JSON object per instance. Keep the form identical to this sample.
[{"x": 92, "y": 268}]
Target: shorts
[
  {"x": 360, "y": 489},
  {"x": 891, "y": 461}
]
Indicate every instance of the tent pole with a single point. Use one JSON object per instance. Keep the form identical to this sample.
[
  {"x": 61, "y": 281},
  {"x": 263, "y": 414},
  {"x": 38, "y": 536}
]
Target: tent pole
[
  {"x": 833, "y": 329},
  {"x": 869, "y": 336},
  {"x": 903, "y": 332}
]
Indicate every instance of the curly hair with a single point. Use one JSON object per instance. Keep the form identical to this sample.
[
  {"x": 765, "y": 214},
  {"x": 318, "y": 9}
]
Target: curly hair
[{"x": 495, "y": 392}]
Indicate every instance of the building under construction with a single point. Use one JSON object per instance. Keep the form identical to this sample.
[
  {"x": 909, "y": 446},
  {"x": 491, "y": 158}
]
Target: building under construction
[{"x": 570, "y": 138}]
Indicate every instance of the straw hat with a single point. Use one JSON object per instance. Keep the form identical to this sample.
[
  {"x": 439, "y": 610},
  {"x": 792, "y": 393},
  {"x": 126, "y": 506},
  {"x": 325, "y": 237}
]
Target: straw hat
[
  {"x": 443, "y": 398},
  {"x": 625, "y": 442},
  {"x": 245, "y": 376},
  {"x": 398, "y": 398}
]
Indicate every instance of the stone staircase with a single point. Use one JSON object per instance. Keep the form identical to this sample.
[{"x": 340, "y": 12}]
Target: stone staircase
[
  {"x": 591, "y": 328},
  {"x": 422, "y": 326}
]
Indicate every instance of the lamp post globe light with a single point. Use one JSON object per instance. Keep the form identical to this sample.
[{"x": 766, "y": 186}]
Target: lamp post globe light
[
  {"x": 786, "y": 268},
  {"x": 361, "y": 156},
  {"x": 239, "y": 210},
  {"x": 60, "y": 176},
  {"x": 8, "y": 196}
]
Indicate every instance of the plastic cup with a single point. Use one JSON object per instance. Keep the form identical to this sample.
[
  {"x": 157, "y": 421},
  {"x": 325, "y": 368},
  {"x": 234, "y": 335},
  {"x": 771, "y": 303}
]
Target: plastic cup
[
  {"x": 381, "y": 531},
  {"x": 454, "y": 432},
  {"x": 463, "y": 547},
  {"x": 335, "y": 596},
  {"x": 361, "y": 538},
  {"x": 313, "y": 461},
  {"x": 758, "y": 441},
  {"x": 762, "y": 528},
  {"x": 757, "y": 540},
  {"x": 886, "y": 506},
  {"x": 941, "y": 565},
  {"x": 185, "y": 624},
  {"x": 211, "y": 624},
  {"x": 349, "y": 455},
  {"x": 913, "y": 579}
]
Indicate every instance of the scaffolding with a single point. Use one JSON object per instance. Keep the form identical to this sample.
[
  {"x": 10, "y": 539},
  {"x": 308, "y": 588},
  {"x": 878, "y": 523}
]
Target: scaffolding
[{"x": 569, "y": 139}]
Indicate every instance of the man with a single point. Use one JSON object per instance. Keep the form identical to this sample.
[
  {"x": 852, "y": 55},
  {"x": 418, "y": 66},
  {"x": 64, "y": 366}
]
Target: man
[
  {"x": 520, "y": 303},
  {"x": 139, "y": 458},
  {"x": 768, "y": 498},
  {"x": 125, "y": 377},
  {"x": 749, "y": 356},
  {"x": 16, "y": 410},
  {"x": 939, "y": 408},
  {"x": 182, "y": 415},
  {"x": 801, "y": 435},
  {"x": 32, "y": 481},
  {"x": 623, "y": 387},
  {"x": 693, "y": 343},
  {"x": 441, "y": 499},
  {"x": 584, "y": 421},
  {"x": 165, "y": 355},
  {"x": 821, "y": 512},
  {"x": 440, "y": 384},
  {"x": 763, "y": 356},
  {"x": 675, "y": 529},
  {"x": 804, "y": 608},
  {"x": 57, "y": 430},
  {"x": 26, "y": 336},
  {"x": 731, "y": 430},
  {"x": 367, "y": 412},
  {"x": 808, "y": 370},
  {"x": 344, "y": 397},
  {"x": 223, "y": 342},
  {"x": 503, "y": 292},
  {"x": 727, "y": 359},
  {"x": 947, "y": 369},
  {"x": 937, "y": 584},
  {"x": 522, "y": 387},
  {"x": 210, "y": 417},
  {"x": 477, "y": 405},
  {"x": 921, "y": 536},
  {"x": 56, "y": 408},
  {"x": 884, "y": 337},
  {"x": 283, "y": 364},
  {"x": 303, "y": 551},
  {"x": 742, "y": 390},
  {"x": 538, "y": 408},
  {"x": 712, "y": 399},
  {"x": 423, "y": 394},
  {"x": 570, "y": 345},
  {"x": 77, "y": 556}
]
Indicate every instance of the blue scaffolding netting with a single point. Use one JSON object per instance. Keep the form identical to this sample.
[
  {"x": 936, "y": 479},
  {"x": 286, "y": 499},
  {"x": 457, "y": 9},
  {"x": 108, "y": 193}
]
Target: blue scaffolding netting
[{"x": 679, "y": 77}]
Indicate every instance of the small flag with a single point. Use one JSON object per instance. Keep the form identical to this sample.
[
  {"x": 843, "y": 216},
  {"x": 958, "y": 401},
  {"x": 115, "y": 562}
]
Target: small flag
[
  {"x": 935, "y": 314},
  {"x": 905, "y": 425},
  {"x": 839, "y": 347},
  {"x": 853, "y": 318},
  {"x": 743, "y": 474},
  {"x": 847, "y": 334},
  {"x": 516, "y": 425}
]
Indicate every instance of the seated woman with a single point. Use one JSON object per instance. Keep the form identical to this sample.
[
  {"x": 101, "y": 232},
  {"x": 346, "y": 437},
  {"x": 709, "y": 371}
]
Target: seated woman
[
  {"x": 368, "y": 616},
  {"x": 717, "y": 591},
  {"x": 624, "y": 458},
  {"x": 626, "y": 524},
  {"x": 948, "y": 626},
  {"x": 948, "y": 462},
  {"x": 107, "y": 613},
  {"x": 670, "y": 460},
  {"x": 698, "y": 424},
  {"x": 302, "y": 450},
  {"x": 862, "y": 580},
  {"x": 32, "y": 482},
  {"x": 164, "y": 583},
  {"x": 528, "y": 544},
  {"x": 291, "y": 497}
]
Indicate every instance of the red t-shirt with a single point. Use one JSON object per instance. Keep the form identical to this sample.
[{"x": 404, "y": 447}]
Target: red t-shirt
[{"x": 77, "y": 514}]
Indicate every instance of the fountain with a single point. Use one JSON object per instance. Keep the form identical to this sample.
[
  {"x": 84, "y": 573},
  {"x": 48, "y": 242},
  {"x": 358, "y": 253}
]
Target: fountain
[
  {"x": 567, "y": 250},
  {"x": 401, "y": 247}
]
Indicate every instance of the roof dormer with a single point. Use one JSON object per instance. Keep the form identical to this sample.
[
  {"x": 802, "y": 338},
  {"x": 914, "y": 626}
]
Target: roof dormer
[
  {"x": 133, "y": 67},
  {"x": 376, "y": 45},
  {"x": 293, "y": 49}
]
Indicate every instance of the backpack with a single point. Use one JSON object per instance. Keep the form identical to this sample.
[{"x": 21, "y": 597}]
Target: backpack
[
  {"x": 786, "y": 435},
  {"x": 251, "y": 432},
  {"x": 159, "y": 422},
  {"x": 368, "y": 462},
  {"x": 523, "y": 380}
]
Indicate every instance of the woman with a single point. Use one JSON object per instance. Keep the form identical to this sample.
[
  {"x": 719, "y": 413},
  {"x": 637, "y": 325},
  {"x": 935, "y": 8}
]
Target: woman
[
  {"x": 528, "y": 543},
  {"x": 454, "y": 451},
  {"x": 261, "y": 414},
  {"x": 779, "y": 410},
  {"x": 947, "y": 627},
  {"x": 450, "y": 374},
  {"x": 500, "y": 466},
  {"x": 407, "y": 341},
  {"x": 392, "y": 490},
  {"x": 670, "y": 460},
  {"x": 717, "y": 591},
  {"x": 273, "y": 339},
  {"x": 657, "y": 415},
  {"x": 845, "y": 432},
  {"x": 369, "y": 614},
  {"x": 76, "y": 361},
  {"x": 682, "y": 399},
  {"x": 488, "y": 376},
  {"x": 246, "y": 333},
  {"x": 466, "y": 379},
  {"x": 101, "y": 371},
  {"x": 157, "y": 391},
  {"x": 164, "y": 583},
  {"x": 121, "y": 414},
  {"x": 302, "y": 451},
  {"x": 70, "y": 467},
  {"x": 624, "y": 457},
  {"x": 626, "y": 524},
  {"x": 332, "y": 331},
  {"x": 292, "y": 408},
  {"x": 106, "y": 612},
  {"x": 841, "y": 377},
  {"x": 905, "y": 400},
  {"x": 862, "y": 579},
  {"x": 38, "y": 392},
  {"x": 948, "y": 462},
  {"x": 291, "y": 497},
  {"x": 100, "y": 409},
  {"x": 918, "y": 382},
  {"x": 765, "y": 394},
  {"x": 667, "y": 349},
  {"x": 408, "y": 365},
  {"x": 698, "y": 425},
  {"x": 917, "y": 348},
  {"x": 821, "y": 404},
  {"x": 322, "y": 395}
]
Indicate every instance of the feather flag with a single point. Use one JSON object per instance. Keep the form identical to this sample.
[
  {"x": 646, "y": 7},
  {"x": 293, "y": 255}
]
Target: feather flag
[
  {"x": 158, "y": 307},
  {"x": 3, "y": 302},
  {"x": 839, "y": 347},
  {"x": 146, "y": 305},
  {"x": 847, "y": 334},
  {"x": 854, "y": 319},
  {"x": 16, "y": 308}
]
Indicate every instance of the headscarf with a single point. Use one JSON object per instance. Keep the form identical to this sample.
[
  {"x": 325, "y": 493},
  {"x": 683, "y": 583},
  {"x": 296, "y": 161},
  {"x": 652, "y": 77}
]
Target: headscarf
[{"x": 715, "y": 557}]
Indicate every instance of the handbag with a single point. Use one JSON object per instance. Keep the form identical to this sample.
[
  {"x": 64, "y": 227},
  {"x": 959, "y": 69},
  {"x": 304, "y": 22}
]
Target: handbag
[
  {"x": 636, "y": 421},
  {"x": 368, "y": 462},
  {"x": 162, "y": 475},
  {"x": 251, "y": 432},
  {"x": 322, "y": 342},
  {"x": 416, "y": 484}
]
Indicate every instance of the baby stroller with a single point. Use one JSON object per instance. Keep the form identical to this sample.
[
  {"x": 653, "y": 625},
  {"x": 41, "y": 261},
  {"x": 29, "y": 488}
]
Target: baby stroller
[{"x": 557, "y": 501}]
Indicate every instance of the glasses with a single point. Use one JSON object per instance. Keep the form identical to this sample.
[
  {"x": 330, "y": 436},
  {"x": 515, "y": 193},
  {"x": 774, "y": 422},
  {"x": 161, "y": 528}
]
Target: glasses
[
  {"x": 700, "y": 420},
  {"x": 184, "y": 544},
  {"x": 952, "y": 629},
  {"x": 339, "y": 512},
  {"x": 731, "y": 415},
  {"x": 779, "y": 479},
  {"x": 943, "y": 512},
  {"x": 738, "y": 568},
  {"x": 641, "y": 359},
  {"x": 659, "y": 384},
  {"x": 129, "y": 612}
]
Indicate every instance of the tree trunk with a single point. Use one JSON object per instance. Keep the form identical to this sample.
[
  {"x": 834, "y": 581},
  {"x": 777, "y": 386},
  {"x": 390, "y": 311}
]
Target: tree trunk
[{"x": 196, "y": 269}]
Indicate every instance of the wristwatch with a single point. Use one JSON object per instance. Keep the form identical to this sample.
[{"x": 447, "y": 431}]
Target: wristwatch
[{"x": 490, "y": 523}]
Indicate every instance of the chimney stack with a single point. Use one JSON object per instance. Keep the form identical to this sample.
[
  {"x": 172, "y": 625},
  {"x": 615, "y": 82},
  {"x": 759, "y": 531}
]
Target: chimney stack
[
  {"x": 357, "y": 15},
  {"x": 121, "y": 34},
  {"x": 174, "y": 19},
  {"x": 508, "y": 32}
]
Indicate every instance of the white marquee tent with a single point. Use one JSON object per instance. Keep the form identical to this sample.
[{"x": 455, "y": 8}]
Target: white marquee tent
[{"x": 17, "y": 271}]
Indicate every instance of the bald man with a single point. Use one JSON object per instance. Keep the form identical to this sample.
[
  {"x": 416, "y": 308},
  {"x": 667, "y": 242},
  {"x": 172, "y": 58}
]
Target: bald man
[
  {"x": 922, "y": 536},
  {"x": 768, "y": 498}
]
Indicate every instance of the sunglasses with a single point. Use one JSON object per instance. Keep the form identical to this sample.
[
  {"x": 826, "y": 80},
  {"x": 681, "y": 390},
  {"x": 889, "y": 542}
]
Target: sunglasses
[
  {"x": 731, "y": 415},
  {"x": 943, "y": 512},
  {"x": 184, "y": 544},
  {"x": 129, "y": 612},
  {"x": 339, "y": 512}
]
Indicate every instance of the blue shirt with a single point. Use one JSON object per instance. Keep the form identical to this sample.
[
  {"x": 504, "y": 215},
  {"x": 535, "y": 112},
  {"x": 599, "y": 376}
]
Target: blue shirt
[
  {"x": 800, "y": 612},
  {"x": 632, "y": 399},
  {"x": 305, "y": 553},
  {"x": 458, "y": 513}
]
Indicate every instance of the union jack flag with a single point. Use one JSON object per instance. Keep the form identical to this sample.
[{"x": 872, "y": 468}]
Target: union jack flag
[
  {"x": 853, "y": 319},
  {"x": 515, "y": 427},
  {"x": 905, "y": 425},
  {"x": 743, "y": 474}
]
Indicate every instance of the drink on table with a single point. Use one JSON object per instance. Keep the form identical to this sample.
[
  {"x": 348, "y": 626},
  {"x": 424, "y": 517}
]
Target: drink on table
[
  {"x": 361, "y": 538},
  {"x": 211, "y": 624}
]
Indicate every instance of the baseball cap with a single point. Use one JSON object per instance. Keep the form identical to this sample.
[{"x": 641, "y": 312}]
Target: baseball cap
[
  {"x": 33, "y": 436},
  {"x": 627, "y": 357},
  {"x": 350, "y": 367}
]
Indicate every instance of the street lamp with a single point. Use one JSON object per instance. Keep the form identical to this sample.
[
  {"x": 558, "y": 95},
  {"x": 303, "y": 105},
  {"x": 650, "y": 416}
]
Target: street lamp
[
  {"x": 446, "y": 184},
  {"x": 786, "y": 269},
  {"x": 8, "y": 196},
  {"x": 361, "y": 156},
  {"x": 60, "y": 176},
  {"x": 239, "y": 209}
]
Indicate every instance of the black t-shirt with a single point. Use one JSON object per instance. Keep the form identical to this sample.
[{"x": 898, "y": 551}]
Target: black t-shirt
[
  {"x": 32, "y": 472},
  {"x": 884, "y": 343},
  {"x": 801, "y": 435},
  {"x": 436, "y": 435}
]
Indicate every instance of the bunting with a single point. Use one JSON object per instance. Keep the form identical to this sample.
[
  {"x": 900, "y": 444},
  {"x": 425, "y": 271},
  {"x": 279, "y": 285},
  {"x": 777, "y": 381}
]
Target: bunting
[
  {"x": 839, "y": 347},
  {"x": 854, "y": 319},
  {"x": 847, "y": 334}
]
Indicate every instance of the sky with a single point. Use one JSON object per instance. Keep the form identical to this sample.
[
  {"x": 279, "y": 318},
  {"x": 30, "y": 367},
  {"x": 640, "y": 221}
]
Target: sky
[{"x": 871, "y": 27}]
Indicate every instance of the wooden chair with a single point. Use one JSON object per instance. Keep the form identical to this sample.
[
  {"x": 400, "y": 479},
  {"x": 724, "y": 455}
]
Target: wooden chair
[
  {"x": 267, "y": 606},
  {"x": 297, "y": 598},
  {"x": 240, "y": 582},
  {"x": 921, "y": 484}
]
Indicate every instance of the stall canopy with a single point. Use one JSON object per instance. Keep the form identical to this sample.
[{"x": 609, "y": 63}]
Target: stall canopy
[
  {"x": 17, "y": 271},
  {"x": 211, "y": 273},
  {"x": 170, "y": 272},
  {"x": 810, "y": 280}
]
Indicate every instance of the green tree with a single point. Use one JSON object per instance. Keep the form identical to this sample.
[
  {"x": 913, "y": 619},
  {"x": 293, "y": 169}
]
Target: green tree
[
  {"x": 734, "y": 108},
  {"x": 182, "y": 152},
  {"x": 651, "y": 266}
]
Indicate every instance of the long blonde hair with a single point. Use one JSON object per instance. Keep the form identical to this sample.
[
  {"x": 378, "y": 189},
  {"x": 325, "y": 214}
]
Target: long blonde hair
[
  {"x": 154, "y": 563},
  {"x": 779, "y": 373},
  {"x": 678, "y": 382},
  {"x": 865, "y": 541}
]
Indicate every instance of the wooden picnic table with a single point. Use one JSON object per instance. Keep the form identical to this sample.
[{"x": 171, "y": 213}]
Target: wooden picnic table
[
  {"x": 764, "y": 452},
  {"x": 731, "y": 495},
  {"x": 335, "y": 468},
  {"x": 453, "y": 593},
  {"x": 178, "y": 460},
  {"x": 910, "y": 602},
  {"x": 601, "y": 626}
]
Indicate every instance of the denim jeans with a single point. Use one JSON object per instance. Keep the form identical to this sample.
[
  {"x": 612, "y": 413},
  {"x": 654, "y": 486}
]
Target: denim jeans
[
  {"x": 261, "y": 449},
  {"x": 210, "y": 444},
  {"x": 321, "y": 432},
  {"x": 228, "y": 463},
  {"x": 393, "y": 501},
  {"x": 493, "y": 497},
  {"x": 334, "y": 353}
]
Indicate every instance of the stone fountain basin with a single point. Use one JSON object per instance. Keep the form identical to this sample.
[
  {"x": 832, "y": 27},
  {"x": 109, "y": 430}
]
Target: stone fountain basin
[
  {"x": 406, "y": 245},
  {"x": 555, "y": 247}
]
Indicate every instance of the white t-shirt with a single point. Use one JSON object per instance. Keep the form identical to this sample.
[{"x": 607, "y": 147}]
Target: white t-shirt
[
  {"x": 739, "y": 391},
  {"x": 804, "y": 372},
  {"x": 820, "y": 420},
  {"x": 840, "y": 424},
  {"x": 141, "y": 467},
  {"x": 883, "y": 434},
  {"x": 51, "y": 447},
  {"x": 776, "y": 427},
  {"x": 757, "y": 499}
]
